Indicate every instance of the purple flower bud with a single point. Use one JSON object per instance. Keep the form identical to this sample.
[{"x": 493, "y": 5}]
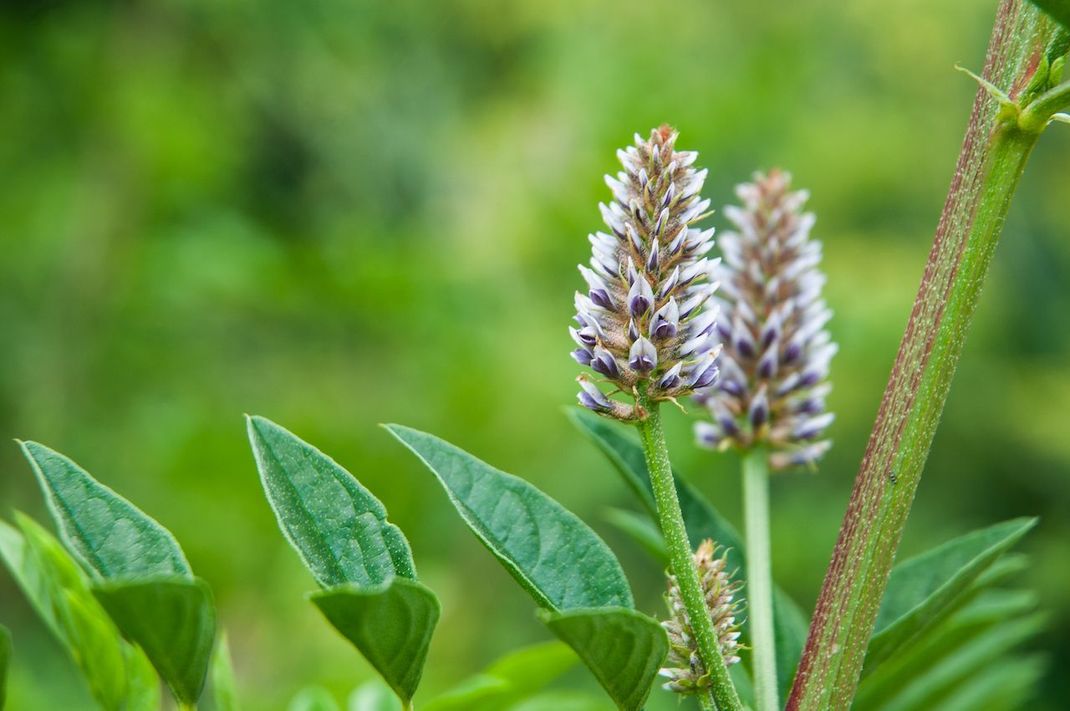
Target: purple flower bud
[
  {"x": 652, "y": 260},
  {"x": 600, "y": 298},
  {"x": 813, "y": 427},
  {"x": 640, "y": 297},
  {"x": 708, "y": 435},
  {"x": 591, "y": 397},
  {"x": 671, "y": 378},
  {"x": 642, "y": 357},
  {"x": 604, "y": 363},
  {"x": 582, "y": 356},
  {"x": 706, "y": 377},
  {"x": 758, "y": 413}
]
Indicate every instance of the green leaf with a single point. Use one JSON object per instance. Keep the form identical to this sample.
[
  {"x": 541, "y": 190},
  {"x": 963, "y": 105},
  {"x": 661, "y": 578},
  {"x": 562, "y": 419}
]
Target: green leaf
[
  {"x": 373, "y": 696},
  {"x": 923, "y": 589},
  {"x": 508, "y": 680},
  {"x": 702, "y": 521},
  {"x": 338, "y": 527},
  {"x": 172, "y": 619},
  {"x": 1059, "y": 10},
  {"x": 623, "y": 649},
  {"x": 118, "y": 675},
  {"x": 1007, "y": 684},
  {"x": 5, "y": 661},
  {"x": 107, "y": 533},
  {"x": 552, "y": 553},
  {"x": 390, "y": 624},
  {"x": 989, "y": 609},
  {"x": 313, "y": 698},
  {"x": 224, "y": 688},
  {"x": 994, "y": 645}
]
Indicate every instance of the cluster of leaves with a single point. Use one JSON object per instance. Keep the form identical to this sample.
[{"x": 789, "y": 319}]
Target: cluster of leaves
[{"x": 117, "y": 591}]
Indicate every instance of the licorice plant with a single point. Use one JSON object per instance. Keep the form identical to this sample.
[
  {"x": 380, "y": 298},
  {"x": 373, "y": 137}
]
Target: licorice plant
[{"x": 733, "y": 330}]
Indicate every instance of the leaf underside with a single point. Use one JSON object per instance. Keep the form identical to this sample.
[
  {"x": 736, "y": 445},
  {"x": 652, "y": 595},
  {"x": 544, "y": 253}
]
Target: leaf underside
[
  {"x": 622, "y": 648},
  {"x": 554, "y": 555},
  {"x": 391, "y": 625},
  {"x": 172, "y": 619}
]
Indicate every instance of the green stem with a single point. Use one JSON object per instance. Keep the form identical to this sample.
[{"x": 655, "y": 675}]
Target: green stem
[
  {"x": 706, "y": 702},
  {"x": 183, "y": 706},
  {"x": 760, "y": 577},
  {"x": 671, "y": 521},
  {"x": 993, "y": 156}
]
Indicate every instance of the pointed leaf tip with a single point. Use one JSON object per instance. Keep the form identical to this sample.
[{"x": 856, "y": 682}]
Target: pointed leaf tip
[
  {"x": 107, "y": 533},
  {"x": 338, "y": 528}
]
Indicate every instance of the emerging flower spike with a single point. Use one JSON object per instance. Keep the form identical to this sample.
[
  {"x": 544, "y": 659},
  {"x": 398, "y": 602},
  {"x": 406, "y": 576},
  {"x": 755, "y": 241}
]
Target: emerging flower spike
[
  {"x": 776, "y": 350},
  {"x": 684, "y": 669},
  {"x": 644, "y": 324}
]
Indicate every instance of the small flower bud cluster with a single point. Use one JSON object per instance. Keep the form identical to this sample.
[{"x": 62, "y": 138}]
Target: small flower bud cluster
[
  {"x": 776, "y": 350},
  {"x": 684, "y": 668},
  {"x": 644, "y": 325}
]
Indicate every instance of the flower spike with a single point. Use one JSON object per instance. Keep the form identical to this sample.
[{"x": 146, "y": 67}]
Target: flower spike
[
  {"x": 645, "y": 321},
  {"x": 776, "y": 350}
]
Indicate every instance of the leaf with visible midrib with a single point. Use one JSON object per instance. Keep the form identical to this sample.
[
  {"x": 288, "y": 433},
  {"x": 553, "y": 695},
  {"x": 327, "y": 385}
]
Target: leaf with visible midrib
[
  {"x": 105, "y": 531},
  {"x": 390, "y": 624},
  {"x": 702, "y": 521},
  {"x": 172, "y": 618},
  {"x": 552, "y": 553},
  {"x": 922, "y": 589},
  {"x": 623, "y": 649},
  {"x": 338, "y": 527}
]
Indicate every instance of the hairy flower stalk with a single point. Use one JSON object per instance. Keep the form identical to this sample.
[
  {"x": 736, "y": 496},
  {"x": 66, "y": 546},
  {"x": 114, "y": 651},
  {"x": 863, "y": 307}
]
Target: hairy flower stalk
[
  {"x": 776, "y": 350},
  {"x": 685, "y": 670},
  {"x": 644, "y": 325}
]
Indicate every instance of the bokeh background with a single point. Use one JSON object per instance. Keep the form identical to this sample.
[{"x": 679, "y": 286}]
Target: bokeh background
[{"x": 339, "y": 213}]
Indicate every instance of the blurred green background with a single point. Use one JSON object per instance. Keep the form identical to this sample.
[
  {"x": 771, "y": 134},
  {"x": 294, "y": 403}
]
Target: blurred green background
[{"x": 336, "y": 214}]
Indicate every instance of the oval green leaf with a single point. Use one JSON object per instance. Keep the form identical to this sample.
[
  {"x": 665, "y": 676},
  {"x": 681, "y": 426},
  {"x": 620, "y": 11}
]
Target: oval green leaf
[
  {"x": 173, "y": 620},
  {"x": 703, "y": 521},
  {"x": 390, "y": 624},
  {"x": 107, "y": 533},
  {"x": 338, "y": 527},
  {"x": 554, "y": 555},
  {"x": 623, "y": 649},
  {"x": 923, "y": 589}
]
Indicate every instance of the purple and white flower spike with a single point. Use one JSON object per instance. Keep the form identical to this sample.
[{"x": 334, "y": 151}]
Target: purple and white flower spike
[
  {"x": 776, "y": 350},
  {"x": 644, "y": 324}
]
